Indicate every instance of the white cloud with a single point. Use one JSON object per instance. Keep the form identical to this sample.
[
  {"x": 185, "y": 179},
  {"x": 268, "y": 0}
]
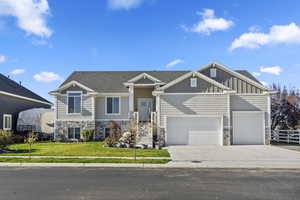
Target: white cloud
[
  {"x": 264, "y": 83},
  {"x": 2, "y": 59},
  {"x": 275, "y": 70},
  {"x": 254, "y": 28},
  {"x": 285, "y": 34},
  {"x": 31, "y": 15},
  {"x": 123, "y": 4},
  {"x": 256, "y": 74},
  {"x": 17, "y": 71},
  {"x": 210, "y": 23},
  {"x": 174, "y": 62},
  {"x": 47, "y": 77}
]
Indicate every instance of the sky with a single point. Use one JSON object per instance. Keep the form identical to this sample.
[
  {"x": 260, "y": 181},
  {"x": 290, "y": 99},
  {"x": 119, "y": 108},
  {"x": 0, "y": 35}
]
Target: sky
[{"x": 43, "y": 41}]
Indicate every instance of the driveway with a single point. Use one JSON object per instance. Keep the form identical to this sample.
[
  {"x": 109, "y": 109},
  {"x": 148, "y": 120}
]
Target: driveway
[{"x": 236, "y": 156}]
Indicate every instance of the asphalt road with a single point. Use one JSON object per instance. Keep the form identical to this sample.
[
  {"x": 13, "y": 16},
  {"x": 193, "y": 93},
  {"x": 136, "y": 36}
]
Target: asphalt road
[{"x": 122, "y": 184}]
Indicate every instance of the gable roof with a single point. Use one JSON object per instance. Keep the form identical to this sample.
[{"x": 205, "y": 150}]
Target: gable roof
[
  {"x": 199, "y": 75},
  {"x": 113, "y": 81},
  {"x": 10, "y": 87},
  {"x": 241, "y": 74}
]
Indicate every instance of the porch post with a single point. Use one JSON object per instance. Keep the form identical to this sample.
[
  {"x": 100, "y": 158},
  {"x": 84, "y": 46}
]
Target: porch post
[{"x": 131, "y": 98}]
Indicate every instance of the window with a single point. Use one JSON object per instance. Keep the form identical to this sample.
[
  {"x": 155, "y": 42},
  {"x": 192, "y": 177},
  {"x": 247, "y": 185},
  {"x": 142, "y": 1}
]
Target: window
[
  {"x": 112, "y": 105},
  {"x": 213, "y": 72},
  {"x": 193, "y": 82},
  {"x": 74, "y": 102},
  {"x": 7, "y": 122},
  {"x": 74, "y": 133},
  {"x": 107, "y": 132}
]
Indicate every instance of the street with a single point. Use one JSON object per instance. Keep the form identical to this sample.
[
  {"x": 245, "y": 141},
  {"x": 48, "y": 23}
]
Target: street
[{"x": 125, "y": 183}]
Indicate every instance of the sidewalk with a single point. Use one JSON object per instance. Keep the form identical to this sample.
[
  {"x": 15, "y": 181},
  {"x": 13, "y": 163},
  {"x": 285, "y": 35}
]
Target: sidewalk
[
  {"x": 204, "y": 164},
  {"x": 89, "y": 157}
]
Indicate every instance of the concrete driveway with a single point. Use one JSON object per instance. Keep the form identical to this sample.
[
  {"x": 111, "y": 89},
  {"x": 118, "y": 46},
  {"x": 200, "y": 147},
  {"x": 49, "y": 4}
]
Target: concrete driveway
[{"x": 236, "y": 156}]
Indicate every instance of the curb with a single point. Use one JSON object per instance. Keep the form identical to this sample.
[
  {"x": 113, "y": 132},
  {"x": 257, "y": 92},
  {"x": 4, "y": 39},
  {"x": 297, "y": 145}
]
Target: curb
[{"x": 91, "y": 157}]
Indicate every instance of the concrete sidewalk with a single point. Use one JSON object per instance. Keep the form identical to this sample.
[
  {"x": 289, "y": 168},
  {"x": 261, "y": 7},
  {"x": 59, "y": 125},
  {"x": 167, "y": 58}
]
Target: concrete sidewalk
[{"x": 89, "y": 157}]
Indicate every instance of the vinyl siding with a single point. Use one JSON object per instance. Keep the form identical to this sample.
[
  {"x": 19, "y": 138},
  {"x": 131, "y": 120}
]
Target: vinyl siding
[
  {"x": 234, "y": 83},
  {"x": 201, "y": 104},
  {"x": 87, "y": 108},
  {"x": 185, "y": 87},
  {"x": 251, "y": 103},
  {"x": 100, "y": 109}
]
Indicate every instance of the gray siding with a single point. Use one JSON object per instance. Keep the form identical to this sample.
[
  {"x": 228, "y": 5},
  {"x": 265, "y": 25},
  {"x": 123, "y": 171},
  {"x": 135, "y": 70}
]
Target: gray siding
[
  {"x": 11, "y": 105},
  {"x": 144, "y": 81},
  {"x": 100, "y": 109},
  {"x": 87, "y": 108},
  {"x": 233, "y": 82},
  {"x": 208, "y": 104},
  {"x": 75, "y": 88},
  {"x": 185, "y": 87},
  {"x": 251, "y": 103}
]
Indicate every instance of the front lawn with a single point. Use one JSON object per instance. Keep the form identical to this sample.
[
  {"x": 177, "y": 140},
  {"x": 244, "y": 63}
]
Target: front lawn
[
  {"x": 83, "y": 160},
  {"x": 81, "y": 149}
]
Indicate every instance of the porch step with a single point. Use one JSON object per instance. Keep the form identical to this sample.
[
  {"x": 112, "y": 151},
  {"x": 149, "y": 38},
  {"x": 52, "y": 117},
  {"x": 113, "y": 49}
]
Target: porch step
[{"x": 145, "y": 135}]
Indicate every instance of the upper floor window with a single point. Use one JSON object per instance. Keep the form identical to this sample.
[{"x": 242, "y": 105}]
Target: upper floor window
[
  {"x": 112, "y": 105},
  {"x": 213, "y": 72},
  {"x": 7, "y": 122},
  {"x": 74, "y": 102},
  {"x": 193, "y": 82}
]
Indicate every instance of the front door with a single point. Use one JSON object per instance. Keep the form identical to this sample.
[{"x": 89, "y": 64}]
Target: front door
[{"x": 145, "y": 107}]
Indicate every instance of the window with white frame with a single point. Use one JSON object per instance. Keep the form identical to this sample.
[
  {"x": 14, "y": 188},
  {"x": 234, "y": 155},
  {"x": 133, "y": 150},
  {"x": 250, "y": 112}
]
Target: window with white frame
[
  {"x": 193, "y": 82},
  {"x": 7, "y": 122},
  {"x": 112, "y": 105},
  {"x": 74, "y": 133},
  {"x": 74, "y": 102},
  {"x": 213, "y": 72}
]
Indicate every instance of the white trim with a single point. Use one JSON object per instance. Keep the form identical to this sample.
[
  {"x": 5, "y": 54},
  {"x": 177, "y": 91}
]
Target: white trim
[
  {"x": 131, "y": 98},
  {"x": 252, "y": 94},
  {"x": 250, "y": 112},
  {"x": 10, "y": 117},
  {"x": 124, "y": 94},
  {"x": 193, "y": 93},
  {"x": 194, "y": 73},
  {"x": 25, "y": 98},
  {"x": 81, "y": 103},
  {"x": 73, "y": 83},
  {"x": 226, "y": 69},
  {"x": 144, "y": 75},
  {"x": 195, "y": 116},
  {"x": 106, "y": 105}
]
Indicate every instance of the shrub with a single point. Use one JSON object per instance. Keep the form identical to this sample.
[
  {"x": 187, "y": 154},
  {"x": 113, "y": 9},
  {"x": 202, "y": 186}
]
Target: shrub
[
  {"x": 87, "y": 134},
  {"x": 5, "y": 138},
  {"x": 30, "y": 140}
]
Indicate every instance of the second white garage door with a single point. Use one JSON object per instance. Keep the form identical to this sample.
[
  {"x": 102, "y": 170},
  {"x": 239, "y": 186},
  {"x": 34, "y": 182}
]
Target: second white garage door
[
  {"x": 194, "y": 130},
  {"x": 248, "y": 127}
]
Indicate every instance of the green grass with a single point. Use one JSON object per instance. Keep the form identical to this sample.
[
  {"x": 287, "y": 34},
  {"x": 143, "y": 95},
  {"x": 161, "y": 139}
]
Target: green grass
[
  {"x": 82, "y": 149},
  {"x": 82, "y": 160}
]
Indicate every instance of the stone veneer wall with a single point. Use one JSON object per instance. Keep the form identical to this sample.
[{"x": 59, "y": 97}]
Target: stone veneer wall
[
  {"x": 61, "y": 127},
  {"x": 101, "y": 125}
]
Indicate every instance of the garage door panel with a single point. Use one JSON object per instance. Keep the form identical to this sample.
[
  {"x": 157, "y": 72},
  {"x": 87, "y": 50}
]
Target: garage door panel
[
  {"x": 194, "y": 130},
  {"x": 248, "y": 127}
]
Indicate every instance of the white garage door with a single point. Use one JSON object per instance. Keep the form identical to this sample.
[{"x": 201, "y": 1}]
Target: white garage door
[
  {"x": 248, "y": 127},
  {"x": 192, "y": 130}
]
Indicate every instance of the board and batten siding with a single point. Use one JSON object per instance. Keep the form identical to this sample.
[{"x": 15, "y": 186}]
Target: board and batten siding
[
  {"x": 251, "y": 103},
  {"x": 87, "y": 108},
  {"x": 234, "y": 83},
  {"x": 194, "y": 104},
  {"x": 100, "y": 109}
]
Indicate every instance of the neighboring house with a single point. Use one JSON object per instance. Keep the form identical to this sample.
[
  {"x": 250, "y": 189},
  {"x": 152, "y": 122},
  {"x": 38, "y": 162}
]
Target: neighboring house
[
  {"x": 15, "y": 98},
  {"x": 209, "y": 105}
]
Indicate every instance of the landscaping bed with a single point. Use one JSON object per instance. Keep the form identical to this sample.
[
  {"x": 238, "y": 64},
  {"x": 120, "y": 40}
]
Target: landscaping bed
[{"x": 81, "y": 149}]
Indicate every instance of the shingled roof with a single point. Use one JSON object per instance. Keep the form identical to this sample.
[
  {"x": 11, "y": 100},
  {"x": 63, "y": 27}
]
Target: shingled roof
[{"x": 9, "y": 86}]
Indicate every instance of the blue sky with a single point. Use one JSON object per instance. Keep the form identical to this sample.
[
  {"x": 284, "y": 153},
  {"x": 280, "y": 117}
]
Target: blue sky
[{"x": 43, "y": 41}]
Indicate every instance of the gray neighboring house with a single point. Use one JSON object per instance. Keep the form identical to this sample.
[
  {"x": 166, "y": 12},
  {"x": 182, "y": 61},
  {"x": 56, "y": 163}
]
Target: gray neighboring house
[
  {"x": 15, "y": 98},
  {"x": 210, "y": 105}
]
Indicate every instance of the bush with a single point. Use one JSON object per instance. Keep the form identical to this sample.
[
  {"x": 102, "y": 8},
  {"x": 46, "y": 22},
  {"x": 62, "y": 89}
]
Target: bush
[
  {"x": 5, "y": 138},
  {"x": 87, "y": 134}
]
